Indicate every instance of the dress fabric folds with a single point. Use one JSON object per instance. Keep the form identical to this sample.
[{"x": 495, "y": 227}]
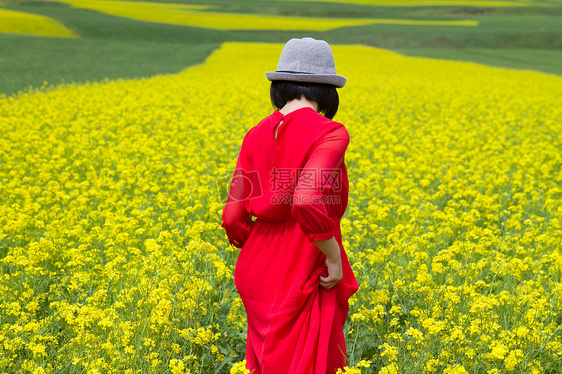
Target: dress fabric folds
[{"x": 296, "y": 187}]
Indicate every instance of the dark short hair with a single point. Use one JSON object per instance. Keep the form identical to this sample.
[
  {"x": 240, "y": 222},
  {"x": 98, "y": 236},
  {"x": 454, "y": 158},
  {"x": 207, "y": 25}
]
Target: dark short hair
[{"x": 324, "y": 94}]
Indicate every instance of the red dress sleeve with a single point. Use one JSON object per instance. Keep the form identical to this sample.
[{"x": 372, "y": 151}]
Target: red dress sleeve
[
  {"x": 236, "y": 220},
  {"x": 308, "y": 208}
]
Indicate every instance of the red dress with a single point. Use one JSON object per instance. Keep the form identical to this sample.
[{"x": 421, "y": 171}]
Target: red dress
[{"x": 296, "y": 186}]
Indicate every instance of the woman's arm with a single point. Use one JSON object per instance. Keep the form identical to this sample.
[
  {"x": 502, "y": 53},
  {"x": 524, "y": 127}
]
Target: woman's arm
[
  {"x": 308, "y": 208},
  {"x": 331, "y": 249},
  {"x": 236, "y": 220}
]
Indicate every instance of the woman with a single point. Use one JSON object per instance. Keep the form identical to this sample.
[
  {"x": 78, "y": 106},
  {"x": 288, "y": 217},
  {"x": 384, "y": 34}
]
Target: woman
[{"x": 292, "y": 272}]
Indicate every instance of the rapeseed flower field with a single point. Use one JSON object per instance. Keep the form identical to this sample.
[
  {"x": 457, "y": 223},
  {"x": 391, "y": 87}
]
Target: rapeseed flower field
[
  {"x": 113, "y": 259},
  {"x": 15, "y": 22},
  {"x": 424, "y": 3},
  {"x": 204, "y": 16}
]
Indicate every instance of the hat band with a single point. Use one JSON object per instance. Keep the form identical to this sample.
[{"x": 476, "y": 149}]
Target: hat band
[{"x": 291, "y": 71}]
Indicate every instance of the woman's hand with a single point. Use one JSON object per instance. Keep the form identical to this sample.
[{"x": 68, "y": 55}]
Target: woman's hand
[
  {"x": 331, "y": 249},
  {"x": 335, "y": 273}
]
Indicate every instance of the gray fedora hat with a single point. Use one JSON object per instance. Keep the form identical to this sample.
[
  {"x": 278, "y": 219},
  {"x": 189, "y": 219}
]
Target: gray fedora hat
[{"x": 307, "y": 60}]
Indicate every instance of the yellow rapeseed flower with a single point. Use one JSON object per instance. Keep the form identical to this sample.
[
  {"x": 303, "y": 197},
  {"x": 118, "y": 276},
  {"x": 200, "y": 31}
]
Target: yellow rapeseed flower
[
  {"x": 206, "y": 17},
  {"x": 15, "y": 22}
]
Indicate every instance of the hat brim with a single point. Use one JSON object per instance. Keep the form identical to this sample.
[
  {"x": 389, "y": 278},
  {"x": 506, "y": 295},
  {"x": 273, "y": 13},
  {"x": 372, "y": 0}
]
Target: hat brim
[{"x": 334, "y": 79}]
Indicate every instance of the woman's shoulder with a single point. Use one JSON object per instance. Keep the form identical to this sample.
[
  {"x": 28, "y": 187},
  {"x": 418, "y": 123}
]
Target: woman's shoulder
[
  {"x": 326, "y": 125},
  {"x": 315, "y": 118},
  {"x": 263, "y": 123},
  {"x": 314, "y": 128}
]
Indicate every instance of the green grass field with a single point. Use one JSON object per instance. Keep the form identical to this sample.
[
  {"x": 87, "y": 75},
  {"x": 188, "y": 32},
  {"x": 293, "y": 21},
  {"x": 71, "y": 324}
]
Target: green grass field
[{"x": 117, "y": 47}]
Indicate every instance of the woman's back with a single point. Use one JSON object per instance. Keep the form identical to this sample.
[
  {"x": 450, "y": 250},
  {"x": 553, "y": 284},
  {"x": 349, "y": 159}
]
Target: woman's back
[{"x": 279, "y": 163}]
